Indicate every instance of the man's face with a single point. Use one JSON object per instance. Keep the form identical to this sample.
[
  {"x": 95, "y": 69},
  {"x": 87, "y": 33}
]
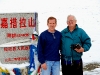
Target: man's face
[
  {"x": 71, "y": 21},
  {"x": 51, "y": 24}
]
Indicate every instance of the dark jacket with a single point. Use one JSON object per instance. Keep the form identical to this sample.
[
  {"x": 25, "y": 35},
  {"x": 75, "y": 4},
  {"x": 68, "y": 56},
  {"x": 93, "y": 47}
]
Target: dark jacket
[{"x": 48, "y": 46}]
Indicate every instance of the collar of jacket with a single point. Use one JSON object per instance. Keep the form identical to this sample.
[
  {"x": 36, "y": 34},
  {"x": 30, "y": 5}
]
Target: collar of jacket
[{"x": 67, "y": 30}]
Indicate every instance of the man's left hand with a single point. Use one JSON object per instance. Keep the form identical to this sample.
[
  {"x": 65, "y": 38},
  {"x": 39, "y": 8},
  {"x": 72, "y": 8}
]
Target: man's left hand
[{"x": 80, "y": 50}]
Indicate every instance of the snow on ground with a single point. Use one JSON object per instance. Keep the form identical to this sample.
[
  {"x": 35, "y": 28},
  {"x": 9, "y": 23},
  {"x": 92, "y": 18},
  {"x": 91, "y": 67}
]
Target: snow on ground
[{"x": 87, "y": 13}]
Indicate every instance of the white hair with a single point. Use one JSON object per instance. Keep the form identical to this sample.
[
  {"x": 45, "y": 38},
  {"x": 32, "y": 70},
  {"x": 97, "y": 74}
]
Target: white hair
[{"x": 71, "y": 16}]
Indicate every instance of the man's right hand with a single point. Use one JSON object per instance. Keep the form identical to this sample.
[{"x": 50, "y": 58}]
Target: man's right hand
[{"x": 44, "y": 66}]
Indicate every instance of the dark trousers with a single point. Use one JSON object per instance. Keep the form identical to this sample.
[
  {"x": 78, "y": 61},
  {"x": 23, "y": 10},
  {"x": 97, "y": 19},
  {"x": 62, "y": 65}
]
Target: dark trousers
[{"x": 74, "y": 68}]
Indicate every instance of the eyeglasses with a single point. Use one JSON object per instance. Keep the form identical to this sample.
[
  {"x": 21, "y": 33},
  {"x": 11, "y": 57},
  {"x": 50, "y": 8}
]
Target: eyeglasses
[{"x": 70, "y": 20}]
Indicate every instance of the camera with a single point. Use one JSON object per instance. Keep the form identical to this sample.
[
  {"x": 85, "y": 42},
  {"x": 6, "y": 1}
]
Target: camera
[{"x": 73, "y": 46}]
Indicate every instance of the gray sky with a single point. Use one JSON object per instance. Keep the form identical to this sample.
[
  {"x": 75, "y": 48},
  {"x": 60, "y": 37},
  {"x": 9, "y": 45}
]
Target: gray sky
[{"x": 86, "y": 11}]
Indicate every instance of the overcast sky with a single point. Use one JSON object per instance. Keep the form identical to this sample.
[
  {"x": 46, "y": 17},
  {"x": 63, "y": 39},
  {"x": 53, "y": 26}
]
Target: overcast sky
[{"x": 82, "y": 9}]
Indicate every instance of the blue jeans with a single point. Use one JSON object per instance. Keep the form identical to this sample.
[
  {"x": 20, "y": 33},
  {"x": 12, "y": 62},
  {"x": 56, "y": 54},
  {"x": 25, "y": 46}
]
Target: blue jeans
[{"x": 53, "y": 68}]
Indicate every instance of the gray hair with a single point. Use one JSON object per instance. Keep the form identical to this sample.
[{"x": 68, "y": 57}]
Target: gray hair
[{"x": 71, "y": 16}]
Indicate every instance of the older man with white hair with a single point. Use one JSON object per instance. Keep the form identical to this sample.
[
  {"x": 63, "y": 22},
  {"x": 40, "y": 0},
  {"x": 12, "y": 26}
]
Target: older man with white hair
[{"x": 75, "y": 41}]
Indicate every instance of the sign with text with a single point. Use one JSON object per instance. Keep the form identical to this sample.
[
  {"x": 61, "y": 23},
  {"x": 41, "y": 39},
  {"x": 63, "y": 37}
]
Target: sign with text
[{"x": 15, "y": 27}]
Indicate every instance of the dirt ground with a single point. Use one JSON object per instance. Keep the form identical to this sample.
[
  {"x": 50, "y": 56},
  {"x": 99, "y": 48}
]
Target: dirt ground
[{"x": 91, "y": 66}]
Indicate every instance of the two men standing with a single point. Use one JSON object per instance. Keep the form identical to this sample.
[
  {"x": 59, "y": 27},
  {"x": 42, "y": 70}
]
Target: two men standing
[{"x": 72, "y": 41}]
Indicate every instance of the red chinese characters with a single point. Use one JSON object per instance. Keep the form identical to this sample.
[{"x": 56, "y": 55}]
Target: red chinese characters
[
  {"x": 16, "y": 48},
  {"x": 6, "y": 49},
  {"x": 15, "y": 35},
  {"x": 22, "y": 22},
  {"x": 4, "y": 22},
  {"x": 15, "y": 22},
  {"x": 31, "y": 22},
  {"x": 16, "y": 59}
]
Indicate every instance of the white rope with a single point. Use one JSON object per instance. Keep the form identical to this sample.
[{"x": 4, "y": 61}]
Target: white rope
[{"x": 18, "y": 43}]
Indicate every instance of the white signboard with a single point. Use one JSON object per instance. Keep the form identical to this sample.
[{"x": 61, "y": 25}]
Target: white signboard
[{"x": 16, "y": 30}]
